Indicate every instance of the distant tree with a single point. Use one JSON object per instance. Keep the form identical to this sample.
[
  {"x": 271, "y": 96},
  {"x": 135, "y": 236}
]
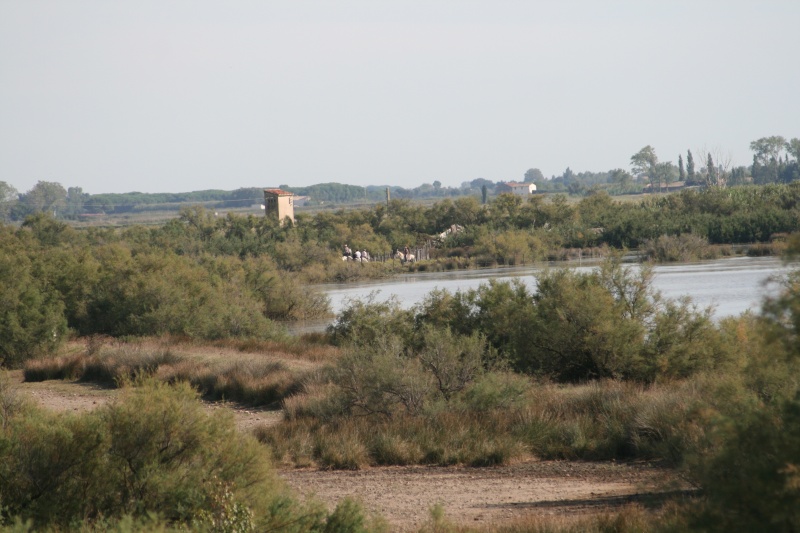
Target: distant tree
[
  {"x": 620, "y": 178},
  {"x": 711, "y": 171},
  {"x": 681, "y": 171},
  {"x": 769, "y": 148},
  {"x": 75, "y": 200},
  {"x": 793, "y": 147},
  {"x": 644, "y": 161},
  {"x": 477, "y": 183},
  {"x": 533, "y": 175},
  {"x": 766, "y": 158},
  {"x": 662, "y": 174},
  {"x": 437, "y": 185},
  {"x": 8, "y": 197},
  {"x": 690, "y": 172},
  {"x": 46, "y": 196},
  {"x": 714, "y": 175},
  {"x": 484, "y": 194},
  {"x": 738, "y": 176}
]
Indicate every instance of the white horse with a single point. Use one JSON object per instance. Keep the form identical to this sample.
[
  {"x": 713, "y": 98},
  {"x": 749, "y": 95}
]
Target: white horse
[
  {"x": 405, "y": 258},
  {"x": 346, "y": 258}
]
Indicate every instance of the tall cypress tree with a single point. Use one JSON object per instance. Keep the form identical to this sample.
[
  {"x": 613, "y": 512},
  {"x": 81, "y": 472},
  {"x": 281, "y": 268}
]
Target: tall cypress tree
[
  {"x": 681, "y": 171},
  {"x": 712, "y": 173},
  {"x": 690, "y": 166}
]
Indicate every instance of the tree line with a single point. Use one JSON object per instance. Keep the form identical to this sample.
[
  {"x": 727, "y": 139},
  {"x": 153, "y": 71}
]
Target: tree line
[
  {"x": 204, "y": 276},
  {"x": 775, "y": 160}
]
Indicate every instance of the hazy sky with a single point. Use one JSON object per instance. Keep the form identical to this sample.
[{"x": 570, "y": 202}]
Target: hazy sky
[{"x": 170, "y": 96}]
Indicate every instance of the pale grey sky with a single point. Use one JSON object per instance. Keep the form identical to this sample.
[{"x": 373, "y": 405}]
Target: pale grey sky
[{"x": 170, "y": 96}]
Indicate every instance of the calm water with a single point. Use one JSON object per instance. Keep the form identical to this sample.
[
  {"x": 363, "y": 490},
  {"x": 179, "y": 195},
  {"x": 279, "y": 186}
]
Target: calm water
[{"x": 732, "y": 286}]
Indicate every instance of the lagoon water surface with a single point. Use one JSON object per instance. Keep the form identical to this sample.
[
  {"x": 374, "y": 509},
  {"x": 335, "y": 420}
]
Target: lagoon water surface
[{"x": 731, "y": 285}]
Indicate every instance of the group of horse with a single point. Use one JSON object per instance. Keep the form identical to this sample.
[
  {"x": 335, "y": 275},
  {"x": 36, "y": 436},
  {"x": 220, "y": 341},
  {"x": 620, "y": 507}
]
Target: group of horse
[
  {"x": 404, "y": 255},
  {"x": 364, "y": 258},
  {"x": 357, "y": 256}
]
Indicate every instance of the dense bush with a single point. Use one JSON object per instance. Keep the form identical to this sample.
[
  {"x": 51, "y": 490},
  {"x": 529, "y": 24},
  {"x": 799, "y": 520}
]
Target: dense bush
[
  {"x": 607, "y": 323},
  {"x": 142, "y": 282},
  {"x": 31, "y": 313},
  {"x": 153, "y": 452},
  {"x": 751, "y": 473},
  {"x": 674, "y": 248},
  {"x": 753, "y": 482}
]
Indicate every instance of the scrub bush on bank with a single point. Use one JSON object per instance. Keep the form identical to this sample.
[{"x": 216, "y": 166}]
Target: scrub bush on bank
[{"x": 152, "y": 453}]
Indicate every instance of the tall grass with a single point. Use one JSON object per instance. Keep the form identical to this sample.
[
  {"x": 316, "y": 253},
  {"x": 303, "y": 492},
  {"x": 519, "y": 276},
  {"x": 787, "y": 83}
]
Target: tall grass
[
  {"x": 251, "y": 380},
  {"x": 598, "y": 421},
  {"x": 247, "y": 382},
  {"x": 108, "y": 366}
]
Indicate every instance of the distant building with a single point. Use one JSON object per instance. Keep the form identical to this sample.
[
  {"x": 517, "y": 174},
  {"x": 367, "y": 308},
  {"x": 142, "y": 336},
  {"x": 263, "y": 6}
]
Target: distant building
[
  {"x": 521, "y": 189},
  {"x": 665, "y": 187},
  {"x": 300, "y": 201},
  {"x": 279, "y": 204}
]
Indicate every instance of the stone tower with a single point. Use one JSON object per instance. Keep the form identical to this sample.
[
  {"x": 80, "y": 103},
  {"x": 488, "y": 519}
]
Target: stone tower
[{"x": 279, "y": 204}]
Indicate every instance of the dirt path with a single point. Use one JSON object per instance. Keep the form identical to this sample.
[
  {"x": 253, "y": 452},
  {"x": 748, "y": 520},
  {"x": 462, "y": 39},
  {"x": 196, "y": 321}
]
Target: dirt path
[
  {"x": 404, "y": 495},
  {"x": 484, "y": 496}
]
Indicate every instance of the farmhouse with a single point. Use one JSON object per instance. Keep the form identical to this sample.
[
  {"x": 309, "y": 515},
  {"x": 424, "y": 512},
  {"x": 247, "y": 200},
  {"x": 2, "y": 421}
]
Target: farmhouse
[{"x": 521, "y": 189}]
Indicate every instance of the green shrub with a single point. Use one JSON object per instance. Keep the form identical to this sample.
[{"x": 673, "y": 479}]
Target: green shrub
[
  {"x": 496, "y": 390},
  {"x": 155, "y": 450},
  {"x": 11, "y": 402},
  {"x": 349, "y": 517},
  {"x": 381, "y": 380},
  {"x": 673, "y": 248},
  {"x": 367, "y": 322},
  {"x": 32, "y": 321},
  {"x": 577, "y": 326},
  {"x": 753, "y": 482}
]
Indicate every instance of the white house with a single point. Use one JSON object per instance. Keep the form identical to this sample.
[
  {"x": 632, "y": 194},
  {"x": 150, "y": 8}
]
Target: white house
[{"x": 521, "y": 189}]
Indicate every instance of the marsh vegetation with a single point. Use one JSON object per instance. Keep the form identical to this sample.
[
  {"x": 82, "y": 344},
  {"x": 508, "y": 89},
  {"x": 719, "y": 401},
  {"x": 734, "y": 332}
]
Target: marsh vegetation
[{"x": 591, "y": 366}]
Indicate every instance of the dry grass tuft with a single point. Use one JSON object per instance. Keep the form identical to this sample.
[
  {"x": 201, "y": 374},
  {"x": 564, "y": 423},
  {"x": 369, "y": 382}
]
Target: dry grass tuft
[{"x": 219, "y": 372}]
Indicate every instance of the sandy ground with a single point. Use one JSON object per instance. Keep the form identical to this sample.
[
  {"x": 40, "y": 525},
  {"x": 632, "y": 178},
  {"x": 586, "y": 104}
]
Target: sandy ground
[
  {"x": 485, "y": 496},
  {"x": 404, "y": 495}
]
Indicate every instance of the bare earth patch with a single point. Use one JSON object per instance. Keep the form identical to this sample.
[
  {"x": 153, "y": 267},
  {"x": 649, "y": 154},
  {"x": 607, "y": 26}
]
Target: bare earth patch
[
  {"x": 484, "y": 496},
  {"x": 404, "y": 495}
]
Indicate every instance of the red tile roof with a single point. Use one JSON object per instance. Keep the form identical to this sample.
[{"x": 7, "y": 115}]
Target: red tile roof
[{"x": 279, "y": 192}]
